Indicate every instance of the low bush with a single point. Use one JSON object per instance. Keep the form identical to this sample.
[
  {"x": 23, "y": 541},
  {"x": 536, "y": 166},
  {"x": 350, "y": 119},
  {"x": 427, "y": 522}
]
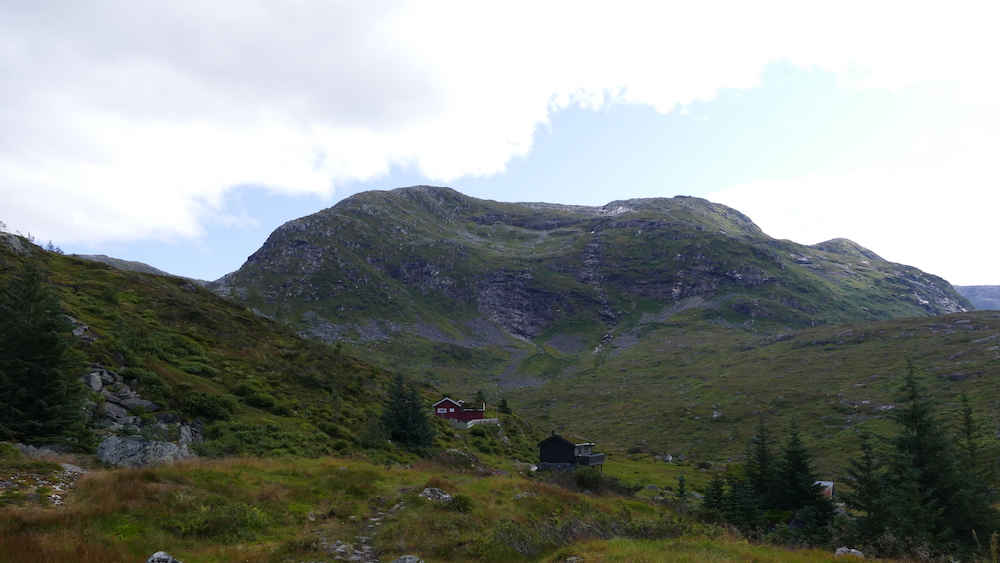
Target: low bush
[
  {"x": 231, "y": 522},
  {"x": 9, "y": 451},
  {"x": 210, "y": 407},
  {"x": 198, "y": 368},
  {"x": 590, "y": 480},
  {"x": 460, "y": 503}
]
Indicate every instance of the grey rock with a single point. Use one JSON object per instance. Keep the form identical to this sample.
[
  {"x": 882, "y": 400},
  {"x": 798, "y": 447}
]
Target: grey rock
[
  {"x": 432, "y": 493},
  {"x": 848, "y": 551},
  {"x": 94, "y": 381},
  {"x": 136, "y": 451},
  {"x": 162, "y": 557},
  {"x": 37, "y": 451},
  {"x": 16, "y": 243},
  {"x": 136, "y": 401},
  {"x": 116, "y": 413},
  {"x": 652, "y": 488},
  {"x": 408, "y": 559}
]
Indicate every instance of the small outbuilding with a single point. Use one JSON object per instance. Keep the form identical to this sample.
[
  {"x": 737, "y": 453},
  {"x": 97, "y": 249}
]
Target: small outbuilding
[
  {"x": 828, "y": 489},
  {"x": 556, "y": 449},
  {"x": 451, "y": 409}
]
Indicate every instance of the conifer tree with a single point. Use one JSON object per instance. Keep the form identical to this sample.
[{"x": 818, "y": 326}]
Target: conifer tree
[
  {"x": 796, "y": 484},
  {"x": 715, "y": 497},
  {"x": 929, "y": 498},
  {"x": 742, "y": 509},
  {"x": 503, "y": 407},
  {"x": 869, "y": 489},
  {"x": 760, "y": 469},
  {"x": 405, "y": 418},
  {"x": 41, "y": 393},
  {"x": 796, "y": 490}
]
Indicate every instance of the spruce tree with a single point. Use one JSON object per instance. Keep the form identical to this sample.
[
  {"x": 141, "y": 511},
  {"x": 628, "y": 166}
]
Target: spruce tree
[
  {"x": 930, "y": 499},
  {"x": 866, "y": 499},
  {"x": 405, "y": 418},
  {"x": 41, "y": 393},
  {"x": 760, "y": 468},
  {"x": 503, "y": 407},
  {"x": 713, "y": 505},
  {"x": 796, "y": 490},
  {"x": 796, "y": 484}
]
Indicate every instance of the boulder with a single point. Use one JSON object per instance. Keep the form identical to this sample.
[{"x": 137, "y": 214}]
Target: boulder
[
  {"x": 408, "y": 559},
  {"x": 136, "y": 451},
  {"x": 848, "y": 551},
  {"x": 162, "y": 557},
  {"x": 431, "y": 493}
]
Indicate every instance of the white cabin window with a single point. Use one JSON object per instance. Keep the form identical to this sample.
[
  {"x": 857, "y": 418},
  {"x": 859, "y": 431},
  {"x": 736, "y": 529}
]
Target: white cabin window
[
  {"x": 451, "y": 410},
  {"x": 442, "y": 410}
]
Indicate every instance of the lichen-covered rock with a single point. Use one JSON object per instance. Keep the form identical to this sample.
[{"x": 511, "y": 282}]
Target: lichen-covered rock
[
  {"x": 136, "y": 451},
  {"x": 162, "y": 557},
  {"x": 432, "y": 493}
]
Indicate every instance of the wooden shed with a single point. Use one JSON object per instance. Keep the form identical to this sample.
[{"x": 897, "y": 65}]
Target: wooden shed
[{"x": 556, "y": 449}]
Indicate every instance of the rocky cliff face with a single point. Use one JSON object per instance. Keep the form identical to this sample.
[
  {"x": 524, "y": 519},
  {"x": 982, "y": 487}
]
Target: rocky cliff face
[{"x": 434, "y": 263}]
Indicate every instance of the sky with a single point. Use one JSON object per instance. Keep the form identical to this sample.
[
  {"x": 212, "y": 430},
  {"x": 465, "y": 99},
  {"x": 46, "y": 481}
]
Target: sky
[{"x": 180, "y": 134}]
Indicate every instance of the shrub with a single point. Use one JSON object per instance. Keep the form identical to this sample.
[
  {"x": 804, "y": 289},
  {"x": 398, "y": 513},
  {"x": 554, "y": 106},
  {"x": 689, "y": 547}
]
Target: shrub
[
  {"x": 9, "y": 451},
  {"x": 210, "y": 407},
  {"x": 198, "y": 368},
  {"x": 230, "y": 521},
  {"x": 461, "y": 503},
  {"x": 260, "y": 400},
  {"x": 592, "y": 480},
  {"x": 154, "y": 385}
]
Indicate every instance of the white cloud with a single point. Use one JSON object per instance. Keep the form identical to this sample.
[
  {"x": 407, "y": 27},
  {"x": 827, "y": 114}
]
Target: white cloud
[
  {"x": 933, "y": 207},
  {"x": 124, "y": 120}
]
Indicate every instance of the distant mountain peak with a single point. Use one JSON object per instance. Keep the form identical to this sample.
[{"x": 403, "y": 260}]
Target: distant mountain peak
[{"x": 847, "y": 247}]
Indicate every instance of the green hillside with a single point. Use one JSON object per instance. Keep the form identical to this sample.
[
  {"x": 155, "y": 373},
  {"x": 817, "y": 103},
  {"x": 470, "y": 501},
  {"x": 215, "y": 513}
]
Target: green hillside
[
  {"x": 634, "y": 322},
  {"x": 699, "y": 389},
  {"x": 257, "y": 387}
]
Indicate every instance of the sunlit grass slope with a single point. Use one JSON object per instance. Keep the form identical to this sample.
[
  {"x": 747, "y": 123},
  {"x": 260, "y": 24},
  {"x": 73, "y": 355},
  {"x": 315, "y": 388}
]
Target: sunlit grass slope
[
  {"x": 260, "y": 388},
  {"x": 271, "y": 511},
  {"x": 699, "y": 389}
]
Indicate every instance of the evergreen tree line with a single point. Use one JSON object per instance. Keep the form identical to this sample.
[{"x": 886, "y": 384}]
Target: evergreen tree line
[
  {"x": 41, "y": 393},
  {"x": 777, "y": 492},
  {"x": 925, "y": 490},
  {"x": 929, "y": 488}
]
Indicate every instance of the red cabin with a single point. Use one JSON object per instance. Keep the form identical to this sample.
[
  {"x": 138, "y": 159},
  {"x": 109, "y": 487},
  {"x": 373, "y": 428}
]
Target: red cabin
[{"x": 456, "y": 410}]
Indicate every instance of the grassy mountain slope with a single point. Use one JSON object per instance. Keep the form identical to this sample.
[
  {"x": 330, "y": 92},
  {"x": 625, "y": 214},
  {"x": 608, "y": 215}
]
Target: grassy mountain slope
[
  {"x": 468, "y": 293},
  {"x": 699, "y": 389},
  {"x": 258, "y": 387}
]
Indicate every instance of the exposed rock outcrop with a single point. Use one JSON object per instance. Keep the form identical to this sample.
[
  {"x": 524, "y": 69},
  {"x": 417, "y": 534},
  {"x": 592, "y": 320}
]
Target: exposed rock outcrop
[
  {"x": 136, "y": 451},
  {"x": 162, "y": 557}
]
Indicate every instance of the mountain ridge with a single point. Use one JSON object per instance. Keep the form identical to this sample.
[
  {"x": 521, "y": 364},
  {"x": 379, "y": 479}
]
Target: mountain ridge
[{"x": 464, "y": 292}]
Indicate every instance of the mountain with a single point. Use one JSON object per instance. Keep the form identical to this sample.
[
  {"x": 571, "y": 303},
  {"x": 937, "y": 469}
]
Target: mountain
[
  {"x": 130, "y": 265},
  {"x": 462, "y": 286},
  {"x": 983, "y": 297}
]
